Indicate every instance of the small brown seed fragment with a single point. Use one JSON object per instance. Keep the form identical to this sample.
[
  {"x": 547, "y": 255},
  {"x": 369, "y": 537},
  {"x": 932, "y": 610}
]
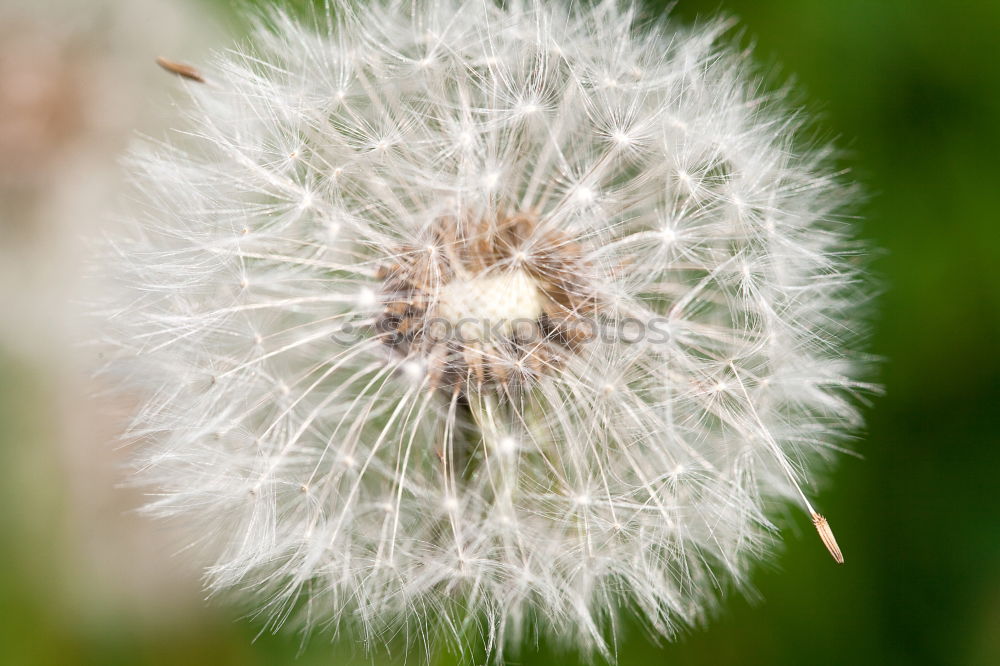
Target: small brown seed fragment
[
  {"x": 473, "y": 357},
  {"x": 180, "y": 69},
  {"x": 826, "y": 535}
]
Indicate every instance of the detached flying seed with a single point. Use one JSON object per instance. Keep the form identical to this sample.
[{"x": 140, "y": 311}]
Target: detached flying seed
[
  {"x": 180, "y": 69},
  {"x": 826, "y": 535}
]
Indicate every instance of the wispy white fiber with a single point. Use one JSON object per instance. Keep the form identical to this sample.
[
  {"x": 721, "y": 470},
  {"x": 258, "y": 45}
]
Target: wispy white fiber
[{"x": 495, "y": 492}]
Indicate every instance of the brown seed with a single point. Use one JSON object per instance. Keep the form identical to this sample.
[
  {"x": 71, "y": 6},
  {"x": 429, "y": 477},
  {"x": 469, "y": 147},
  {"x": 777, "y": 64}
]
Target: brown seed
[
  {"x": 826, "y": 535},
  {"x": 473, "y": 357},
  {"x": 180, "y": 69}
]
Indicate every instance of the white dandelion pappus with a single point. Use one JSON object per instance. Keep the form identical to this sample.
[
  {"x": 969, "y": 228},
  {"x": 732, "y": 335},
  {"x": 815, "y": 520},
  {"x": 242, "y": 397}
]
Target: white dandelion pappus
[{"x": 452, "y": 314}]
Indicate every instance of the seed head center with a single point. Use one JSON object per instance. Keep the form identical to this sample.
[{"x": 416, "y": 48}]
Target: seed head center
[
  {"x": 495, "y": 301},
  {"x": 487, "y": 301}
]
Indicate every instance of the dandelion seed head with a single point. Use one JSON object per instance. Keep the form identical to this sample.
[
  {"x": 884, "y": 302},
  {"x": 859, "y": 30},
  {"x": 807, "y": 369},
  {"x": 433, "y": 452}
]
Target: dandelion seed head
[{"x": 515, "y": 315}]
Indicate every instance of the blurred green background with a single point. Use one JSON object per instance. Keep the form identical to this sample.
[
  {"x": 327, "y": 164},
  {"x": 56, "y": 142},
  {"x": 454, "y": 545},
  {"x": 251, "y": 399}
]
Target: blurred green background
[{"x": 912, "y": 88}]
